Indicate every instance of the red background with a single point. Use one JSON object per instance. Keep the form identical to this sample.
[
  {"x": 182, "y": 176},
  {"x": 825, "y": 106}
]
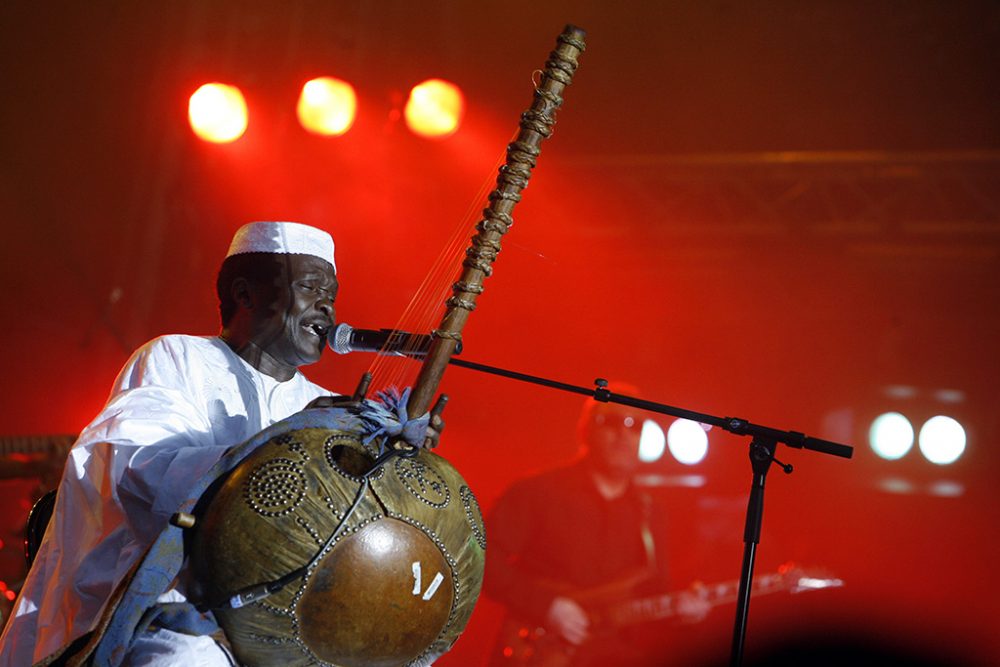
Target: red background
[{"x": 774, "y": 211}]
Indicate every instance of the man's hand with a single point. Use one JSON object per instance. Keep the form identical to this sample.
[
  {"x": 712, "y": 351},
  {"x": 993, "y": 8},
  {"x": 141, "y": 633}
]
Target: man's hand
[
  {"x": 436, "y": 425},
  {"x": 568, "y": 620},
  {"x": 434, "y": 429}
]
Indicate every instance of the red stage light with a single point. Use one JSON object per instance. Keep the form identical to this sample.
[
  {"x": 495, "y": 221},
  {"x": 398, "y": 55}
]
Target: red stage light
[
  {"x": 327, "y": 106},
  {"x": 218, "y": 113},
  {"x": 434, "y": 109}
]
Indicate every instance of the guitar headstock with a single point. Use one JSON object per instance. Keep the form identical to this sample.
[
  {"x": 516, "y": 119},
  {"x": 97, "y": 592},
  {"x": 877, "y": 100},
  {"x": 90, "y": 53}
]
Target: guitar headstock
[{"x": 798, "y": 579}]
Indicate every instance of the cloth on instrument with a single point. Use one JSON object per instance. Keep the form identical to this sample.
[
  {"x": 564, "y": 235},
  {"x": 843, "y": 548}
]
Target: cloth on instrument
[
  {"x": 387, "y": 416},
  {"x": 177, "y": 406}
]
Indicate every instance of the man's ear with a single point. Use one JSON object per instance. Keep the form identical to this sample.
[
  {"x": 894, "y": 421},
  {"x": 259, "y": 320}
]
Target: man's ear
[{"x": 242, "y": 293}]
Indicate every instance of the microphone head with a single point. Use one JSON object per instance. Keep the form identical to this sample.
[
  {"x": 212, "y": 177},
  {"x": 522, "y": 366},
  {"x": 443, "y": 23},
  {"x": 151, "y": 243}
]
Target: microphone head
[{"x": 339, "y": 339}]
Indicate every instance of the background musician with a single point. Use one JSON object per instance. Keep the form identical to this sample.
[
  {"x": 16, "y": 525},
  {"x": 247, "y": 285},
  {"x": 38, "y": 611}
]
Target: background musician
[{"x": 571, "y": 541}]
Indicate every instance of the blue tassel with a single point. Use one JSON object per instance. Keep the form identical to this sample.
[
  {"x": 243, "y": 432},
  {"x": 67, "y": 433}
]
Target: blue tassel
[{"x": 386, "y": 416}]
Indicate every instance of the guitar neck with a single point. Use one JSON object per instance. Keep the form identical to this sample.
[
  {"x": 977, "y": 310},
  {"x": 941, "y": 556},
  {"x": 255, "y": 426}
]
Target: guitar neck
[{"x": 660, "y": 607}]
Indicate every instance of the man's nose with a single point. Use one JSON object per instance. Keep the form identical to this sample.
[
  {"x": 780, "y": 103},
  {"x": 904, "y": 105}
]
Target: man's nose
[{"x": 325, "y": 305}]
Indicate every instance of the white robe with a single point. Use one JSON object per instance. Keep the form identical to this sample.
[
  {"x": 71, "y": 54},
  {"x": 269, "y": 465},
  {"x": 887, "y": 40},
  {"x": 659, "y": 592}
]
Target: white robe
[{"x": 178, "y": 404}]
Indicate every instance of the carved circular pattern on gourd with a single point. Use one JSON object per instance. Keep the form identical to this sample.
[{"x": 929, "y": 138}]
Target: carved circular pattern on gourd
[
  {"x": 276, "y": 487},
  {"x": 294, "y": 446},
  {"x": 474, "y": 514},
  {"x": 423, "y": 482}
]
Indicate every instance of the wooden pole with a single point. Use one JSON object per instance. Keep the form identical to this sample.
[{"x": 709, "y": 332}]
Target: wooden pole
[{"x": 522, "y": 155}]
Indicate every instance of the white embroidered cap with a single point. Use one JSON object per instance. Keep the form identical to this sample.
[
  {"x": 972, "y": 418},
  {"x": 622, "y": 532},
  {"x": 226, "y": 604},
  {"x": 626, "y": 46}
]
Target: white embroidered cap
[{"x": 283, "y": 238}]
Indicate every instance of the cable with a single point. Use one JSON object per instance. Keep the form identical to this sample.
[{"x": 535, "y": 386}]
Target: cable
[{"x": 261, "y": 591}]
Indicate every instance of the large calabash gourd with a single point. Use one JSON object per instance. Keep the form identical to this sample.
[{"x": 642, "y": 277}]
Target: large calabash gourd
[{"x": 396, "y": 587}]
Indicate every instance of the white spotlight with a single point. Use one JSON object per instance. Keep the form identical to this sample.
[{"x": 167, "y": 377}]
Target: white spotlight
[
  {"x": 942, "y": 440},
  {"x": 891, "y": 435},
  {"x": 652, "y": 442},
  {"x": 688, "y": 441}
]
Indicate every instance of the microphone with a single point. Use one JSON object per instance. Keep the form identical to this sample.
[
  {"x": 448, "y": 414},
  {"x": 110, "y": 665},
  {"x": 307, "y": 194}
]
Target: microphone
[{"x": 345, "y": 339}]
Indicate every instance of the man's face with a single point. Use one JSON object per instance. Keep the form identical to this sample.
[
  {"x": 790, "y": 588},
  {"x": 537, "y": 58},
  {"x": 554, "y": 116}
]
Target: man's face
[
  {"x": 297, "y": 311},
  {"x": 612, "y": 435}
]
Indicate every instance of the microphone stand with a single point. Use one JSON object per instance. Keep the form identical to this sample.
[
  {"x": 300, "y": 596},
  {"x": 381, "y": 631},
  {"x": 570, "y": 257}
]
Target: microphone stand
[{"x": 763, "y": 443}]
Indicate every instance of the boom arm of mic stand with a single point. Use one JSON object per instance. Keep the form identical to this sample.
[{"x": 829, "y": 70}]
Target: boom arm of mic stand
[
  {"x": 732, "y": 424},
  {"x": 790, "y": 438}
]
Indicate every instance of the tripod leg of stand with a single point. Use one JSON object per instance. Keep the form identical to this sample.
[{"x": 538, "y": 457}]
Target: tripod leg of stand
[{"x": 761, "y": 455}]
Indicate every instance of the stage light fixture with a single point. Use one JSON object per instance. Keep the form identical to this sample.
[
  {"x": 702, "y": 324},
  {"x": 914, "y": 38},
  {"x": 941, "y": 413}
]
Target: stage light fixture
[
  {"x": 652, "y": 442},
  {"x": 218, "y": 113},
  {"x": 327, "y": 106},
  {"x": 434, "y": 109},
  {"x": 688, "y": 441},
  {"x": 891, "y": 435},
  {"x": 942, "y": 440}
]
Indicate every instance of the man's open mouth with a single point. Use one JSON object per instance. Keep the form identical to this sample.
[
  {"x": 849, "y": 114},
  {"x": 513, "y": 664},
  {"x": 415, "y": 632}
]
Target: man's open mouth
[{"x": 316, "y": 329}]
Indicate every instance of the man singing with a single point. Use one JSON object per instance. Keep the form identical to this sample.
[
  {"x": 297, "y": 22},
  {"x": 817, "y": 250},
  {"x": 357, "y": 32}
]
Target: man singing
[{"x": 177, "y": 406}]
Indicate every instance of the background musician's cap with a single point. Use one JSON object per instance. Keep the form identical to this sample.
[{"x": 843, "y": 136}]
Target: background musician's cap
[{"x": 283, "y": 238}]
